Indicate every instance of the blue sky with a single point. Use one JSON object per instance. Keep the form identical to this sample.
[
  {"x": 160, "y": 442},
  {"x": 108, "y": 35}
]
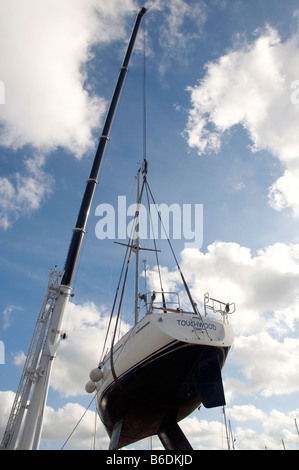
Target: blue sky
[{"x": 222, "y": 131}]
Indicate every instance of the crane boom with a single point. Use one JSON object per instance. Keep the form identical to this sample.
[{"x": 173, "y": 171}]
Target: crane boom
[{"x": 79, "y": 230}]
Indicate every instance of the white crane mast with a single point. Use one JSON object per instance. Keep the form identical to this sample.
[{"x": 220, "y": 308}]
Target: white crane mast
[{"x": 33, "y": 367}]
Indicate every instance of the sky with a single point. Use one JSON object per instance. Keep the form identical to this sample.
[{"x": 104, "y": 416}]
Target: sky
[{"x": 222, "y": 111}]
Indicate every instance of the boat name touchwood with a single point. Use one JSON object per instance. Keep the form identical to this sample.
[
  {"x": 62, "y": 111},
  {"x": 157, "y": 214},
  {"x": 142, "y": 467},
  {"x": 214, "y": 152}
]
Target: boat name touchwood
[{"x": 197, "y": 324}]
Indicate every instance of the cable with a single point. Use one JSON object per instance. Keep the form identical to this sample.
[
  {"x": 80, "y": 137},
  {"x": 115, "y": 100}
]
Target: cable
[
  {"x": 79, "y": 422},
  {"x": 144, "y": 92},
  {"x": 156, "y": 251},
  {"x": 177, "y": 263}
]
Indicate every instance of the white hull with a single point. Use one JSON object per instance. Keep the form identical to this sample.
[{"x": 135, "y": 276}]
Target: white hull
[
  {"x": 160, "y": 371},
  {"x": 154, "y": 332}
]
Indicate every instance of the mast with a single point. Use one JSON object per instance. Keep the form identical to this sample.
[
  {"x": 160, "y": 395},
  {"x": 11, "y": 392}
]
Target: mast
[
  {"x": 296, "y": 426},
  {"x": 37, "y": 377},
  {"x": 137, "y": 250},
  {"x": 225, "y": 424}
]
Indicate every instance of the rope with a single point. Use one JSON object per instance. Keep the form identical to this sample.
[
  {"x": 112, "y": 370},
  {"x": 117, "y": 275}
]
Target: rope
[
  {"x": 156, "y": 251},
  {"x": 114, "y": 303},
  {"x": 144, "y": 91},
  {"x": 128, "y": 252},
  {"x": 177, "y": 263},
  {"x": 78, "y": 422}
]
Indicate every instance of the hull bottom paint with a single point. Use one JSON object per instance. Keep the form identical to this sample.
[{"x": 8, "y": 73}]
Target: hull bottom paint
[{"x": 152, "y": 398}]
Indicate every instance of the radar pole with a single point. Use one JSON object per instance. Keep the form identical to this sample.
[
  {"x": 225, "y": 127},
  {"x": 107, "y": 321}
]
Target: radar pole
[{"x": 31, "y": 396}]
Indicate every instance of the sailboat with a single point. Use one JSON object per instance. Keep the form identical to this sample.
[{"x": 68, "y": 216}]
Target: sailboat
[{"x": 167, "y": 364}]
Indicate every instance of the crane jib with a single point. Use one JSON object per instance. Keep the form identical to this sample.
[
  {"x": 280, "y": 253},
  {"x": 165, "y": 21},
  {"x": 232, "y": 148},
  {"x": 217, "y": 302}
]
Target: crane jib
[{"x": 79, "y": 230}]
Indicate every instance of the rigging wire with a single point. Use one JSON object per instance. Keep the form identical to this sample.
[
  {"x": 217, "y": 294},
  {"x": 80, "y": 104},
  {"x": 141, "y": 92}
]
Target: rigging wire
[
  {"x": 173, "y": 253},
  {"x": 196, "y": 311},
  {"x": 144, "y": 158},
  {"x": 84, "y": 413},
  {"x": 156, "y": 251},
  {"x": 130, "y": 246},
  {"x": 95, "y": 430},
  {"x": 144, "y": 92},
  {"x": 127, "y": 258},
  {"x": 114, "y": 303}
]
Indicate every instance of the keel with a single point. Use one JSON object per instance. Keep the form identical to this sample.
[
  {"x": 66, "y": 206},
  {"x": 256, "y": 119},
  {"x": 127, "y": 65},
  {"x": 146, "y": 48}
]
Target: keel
[
  {"x": 173, "y": 438},
  {"x": 114, "y": 441}
]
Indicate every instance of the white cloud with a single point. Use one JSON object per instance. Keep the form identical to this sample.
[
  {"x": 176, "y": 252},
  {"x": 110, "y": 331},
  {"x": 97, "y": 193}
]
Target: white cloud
[
  {"x": 252, "y": 429},
  {"x": 245, "y": 413},
  {"x": 43, "y": 59},
  {"x": 74, "y": 422},
  {"x": 275, "y": 426},
  {"x": 80, "y": 352},
  {"x": 203, "y": 433},
  {"x": 260, "y": 369},
  {"x": 19, "y": 358},
  {"x": 266, "y": 371},
  {"x": 265, "y": 288},
  {"x": 176, "y": 35},
  {"x": 251, "y": 86},
  {"x": 85, "y": 327},
  {"x": 44, "y": 53},
  {"x": 24, "y": 191},
  {"x": 7, "y": 314},
  {"x": 284, "y": 192},
  {"x": 6, "y": 401},
  {"x": 60, "y": 428}
]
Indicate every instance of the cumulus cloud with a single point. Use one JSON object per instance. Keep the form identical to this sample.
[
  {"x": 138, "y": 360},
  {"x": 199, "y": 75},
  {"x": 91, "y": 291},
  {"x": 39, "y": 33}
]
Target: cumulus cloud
[
  {"x": 60, "y": 428},
  {"x": 203, "y": 433},
  {"x": 47, "y": 46},
  {"x": 49, "y": 102},
  {"x": 264, "y": 285},
  {"x": 6, "y": 400},
  {"x": 45, "y": 50},
  {"x": 251, "y": 86},
  {"x": 23, "y": 191},
  {"x": 266, "y": 371},
  {"x": 241, "y": 419},
  {"x": 81, "y": 351},
  {"x": 175, "y": 35},
  {"x": 7, "y": 315},
  {"x": 85, "y": 326},
  {"x": 265, "y": 322}
]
